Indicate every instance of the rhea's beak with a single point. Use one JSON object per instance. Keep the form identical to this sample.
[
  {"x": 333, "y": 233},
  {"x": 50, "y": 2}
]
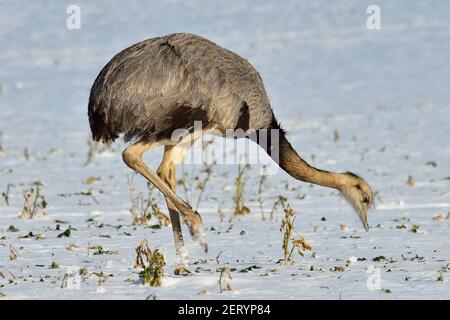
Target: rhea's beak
[
  {"x": 361, "y": 209},
  {"x": 361, "y": 206},
  {"x": 363, "y": 216}
]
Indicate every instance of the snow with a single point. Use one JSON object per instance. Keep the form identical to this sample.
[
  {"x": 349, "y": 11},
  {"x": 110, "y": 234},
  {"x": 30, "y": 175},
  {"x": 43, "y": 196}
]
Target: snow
[{"x": 385, "y": 92}]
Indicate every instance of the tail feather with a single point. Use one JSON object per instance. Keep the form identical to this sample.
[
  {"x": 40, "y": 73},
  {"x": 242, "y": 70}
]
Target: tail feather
[{"x": 99, "y": 127}]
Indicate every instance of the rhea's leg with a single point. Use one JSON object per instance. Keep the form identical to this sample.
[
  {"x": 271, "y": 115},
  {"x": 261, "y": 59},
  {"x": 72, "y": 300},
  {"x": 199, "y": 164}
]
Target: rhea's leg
[
  {"x": 132, "y": 156},
  {"x": 167, "y": 172}
]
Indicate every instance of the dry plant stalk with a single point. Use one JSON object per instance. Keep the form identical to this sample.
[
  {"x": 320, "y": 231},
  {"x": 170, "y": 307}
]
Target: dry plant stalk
[
  {"x": 95, "y": 148},
  {"x": 225, "y": 285},
  {"x": 5, "y": 194},
  {"x": 240, "y": 208},
  {"x": 163, "y": 219},
  {"x": 290, "y": 243},
  {"x": 221, "y": 213},
  {"x": 208, "y": 171},
  {"x": 442, "y": 271},
  {"x": 411, "y": 182},
  {"x": 64, "y": 281},
  {"x": 336, "y": 136},
  {"x": 142, "y": 209},
  {"x": 101, "y": 277},
  {"x": 26, "y": 154},
  {"x": 280, "y": 201},
  {"x": 13, "y": 254},
  {"x": 152, "y": 263},
  {"x": 139, "y": 210},
  {"x": 438, "y": 218},
  {"x": 185, "y": 183},
  {"x": 35, "y": 203},
  {"x": 261, "y": 185},
  {"x": 2, "y": 150},
  {"x": 185, "y": 180}
]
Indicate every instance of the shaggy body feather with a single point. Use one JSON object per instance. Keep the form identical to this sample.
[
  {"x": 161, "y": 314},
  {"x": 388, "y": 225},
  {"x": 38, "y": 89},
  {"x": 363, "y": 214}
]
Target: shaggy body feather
[{"x": 147, "y": 88}]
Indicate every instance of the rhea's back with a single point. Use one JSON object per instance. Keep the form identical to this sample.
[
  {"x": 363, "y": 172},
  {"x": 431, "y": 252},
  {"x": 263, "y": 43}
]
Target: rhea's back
[{"x": 147, "y": 88}]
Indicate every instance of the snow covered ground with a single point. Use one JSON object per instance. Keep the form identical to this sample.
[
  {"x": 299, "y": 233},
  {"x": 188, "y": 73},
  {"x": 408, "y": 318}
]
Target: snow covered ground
[{"x": 386, "y": 92}]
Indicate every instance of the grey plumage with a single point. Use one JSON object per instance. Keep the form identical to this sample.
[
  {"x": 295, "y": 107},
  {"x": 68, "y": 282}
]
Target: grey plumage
[
  {"x": 165, "y": 83},
  {"x": 162, "y": 84}
]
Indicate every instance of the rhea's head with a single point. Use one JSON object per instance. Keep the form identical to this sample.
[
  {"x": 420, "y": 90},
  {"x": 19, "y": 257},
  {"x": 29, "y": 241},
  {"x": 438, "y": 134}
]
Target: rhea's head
[{"x": 358, "y": 192}]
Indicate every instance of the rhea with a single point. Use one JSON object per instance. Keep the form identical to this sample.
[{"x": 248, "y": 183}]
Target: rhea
[{"x": 160, "y": 85}]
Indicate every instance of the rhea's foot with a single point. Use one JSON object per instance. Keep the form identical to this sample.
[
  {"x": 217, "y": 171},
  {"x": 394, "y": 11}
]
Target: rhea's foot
[{"x": 195, "y": 225}]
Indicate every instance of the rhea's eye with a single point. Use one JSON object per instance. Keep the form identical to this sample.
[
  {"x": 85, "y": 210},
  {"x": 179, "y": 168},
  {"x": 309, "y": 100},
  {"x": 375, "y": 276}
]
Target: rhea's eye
[{"x": 365, "y": 199}]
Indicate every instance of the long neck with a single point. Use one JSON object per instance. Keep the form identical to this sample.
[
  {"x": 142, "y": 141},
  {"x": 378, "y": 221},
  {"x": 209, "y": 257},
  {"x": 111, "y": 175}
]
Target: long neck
[
  {"x": 298, "y": 168},
  {"x": 288, "y": 159}
]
